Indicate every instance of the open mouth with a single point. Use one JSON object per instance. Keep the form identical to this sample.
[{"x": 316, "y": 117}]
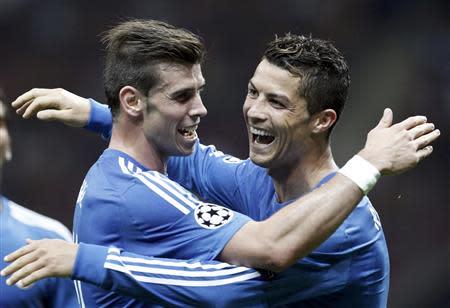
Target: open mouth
[
  {"x": 188, "y": 132},
  {"x": 261, "y": 136}
]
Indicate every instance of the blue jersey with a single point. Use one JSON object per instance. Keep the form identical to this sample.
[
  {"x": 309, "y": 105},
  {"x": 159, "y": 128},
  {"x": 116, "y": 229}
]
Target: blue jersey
[
  {"x": 351, "y": 268},
  {"x": 18, "y": 224},
  {"x": 123, "y": 204}
]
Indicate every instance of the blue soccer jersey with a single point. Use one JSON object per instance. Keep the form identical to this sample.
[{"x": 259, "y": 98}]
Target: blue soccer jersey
[
  {"x": 18, "y": 224},
  {"x": 125, "y": 205},
  {"x": 351, "y": 268}
]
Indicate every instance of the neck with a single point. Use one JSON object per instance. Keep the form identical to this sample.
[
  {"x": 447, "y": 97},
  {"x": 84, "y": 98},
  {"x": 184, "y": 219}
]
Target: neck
[
  {"x": 129, "y": 138},
  {"x": 292, "y": 182}
]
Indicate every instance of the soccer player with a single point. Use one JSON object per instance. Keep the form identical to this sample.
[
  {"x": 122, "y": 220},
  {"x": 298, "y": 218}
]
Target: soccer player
[
  {"x": 307, "y": 126},
  {"x": 16, "y": 225}
]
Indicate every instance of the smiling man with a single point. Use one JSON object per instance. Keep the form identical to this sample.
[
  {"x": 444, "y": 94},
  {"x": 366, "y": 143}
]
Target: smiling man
[{"x": 291, "y": 185}]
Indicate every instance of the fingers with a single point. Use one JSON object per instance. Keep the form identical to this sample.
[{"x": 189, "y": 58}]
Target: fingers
[
  {"x": 18, "y": 253},
  {"x": 424, "y": 152},
  {"x": 28, "y": 96},
  {"x": 421, "y": 129},
  {"x": 426, "y": 139},
  {"x": 386, "y": 119},
  {"x": 16, "y": 266},
  {"x": 28, "y": 267},
  {"x": 53, "y": 114},
  {"x": 411, "y": 122},
  {"x": 41, "y": 103},
  {"x": 34, "y": 276},
  {"x": 35, "y": 100},
  {"x": 20, "y": 111}
]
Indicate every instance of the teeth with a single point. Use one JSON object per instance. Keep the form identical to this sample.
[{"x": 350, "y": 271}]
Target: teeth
[
  {"x": 260, "y": 132},
  {"x": 188, "y": 131}
]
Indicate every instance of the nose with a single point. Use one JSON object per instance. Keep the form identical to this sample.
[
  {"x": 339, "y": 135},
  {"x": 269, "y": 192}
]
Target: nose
[
  {"x": 254, "y": 110},
  {"x": 198, "y": 109}
]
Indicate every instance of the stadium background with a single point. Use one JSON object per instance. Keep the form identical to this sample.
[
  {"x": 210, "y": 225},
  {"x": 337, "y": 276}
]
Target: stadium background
[{"x": 399, "y": 55}]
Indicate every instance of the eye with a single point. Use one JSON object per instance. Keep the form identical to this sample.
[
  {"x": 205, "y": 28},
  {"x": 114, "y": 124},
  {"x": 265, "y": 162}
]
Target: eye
[
  {"x": 184, "y": 97},
  {"x": 277, "y": 104},
  {"x": 252, "y": 93}
]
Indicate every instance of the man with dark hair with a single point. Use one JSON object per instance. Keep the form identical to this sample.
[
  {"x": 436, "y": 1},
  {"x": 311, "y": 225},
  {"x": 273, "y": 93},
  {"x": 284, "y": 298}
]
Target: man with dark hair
[
  {"x": 16, "y": 225},
  {"x": 135, "y": 49},
  {"x": 288, "y": 138}
]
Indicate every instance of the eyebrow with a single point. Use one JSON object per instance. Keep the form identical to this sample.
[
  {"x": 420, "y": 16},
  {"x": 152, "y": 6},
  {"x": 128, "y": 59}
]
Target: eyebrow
[
  {"x": 181, "y": 91},
  {"x": 273, "y": 95}
]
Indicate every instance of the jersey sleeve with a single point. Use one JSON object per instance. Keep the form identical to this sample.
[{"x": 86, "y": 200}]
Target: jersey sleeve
[
  {"x": 215, "y": 176},
  {"x": 169, "y": 282},
  {"x": 100, "y": 119},
  {"x": 174, "y": 221}
]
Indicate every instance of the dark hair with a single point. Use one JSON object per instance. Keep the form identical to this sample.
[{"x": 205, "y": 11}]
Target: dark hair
[
  {"x": 134, "y": 47},
  {"x": 322, "y": 68}
]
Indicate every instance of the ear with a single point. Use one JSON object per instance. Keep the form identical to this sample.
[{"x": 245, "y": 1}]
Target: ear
[
  {"x": 131, "y": 101},
  {"x": 323, "y": 120}
]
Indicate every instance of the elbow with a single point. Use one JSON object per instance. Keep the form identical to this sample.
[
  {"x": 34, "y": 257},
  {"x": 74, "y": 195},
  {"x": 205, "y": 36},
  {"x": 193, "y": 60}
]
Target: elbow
[
  {"x": 278, "y": 259},
  {"x": 278, "y": 263}
]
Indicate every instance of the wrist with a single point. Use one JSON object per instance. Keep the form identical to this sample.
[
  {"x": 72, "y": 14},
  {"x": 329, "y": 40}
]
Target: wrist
[
  {"x": 361, "y": 172},
  {"x": 373, "y": 159}
]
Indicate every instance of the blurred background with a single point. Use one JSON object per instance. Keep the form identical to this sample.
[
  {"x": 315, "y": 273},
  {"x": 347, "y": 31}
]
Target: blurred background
[{"x": 399, "y": 56}]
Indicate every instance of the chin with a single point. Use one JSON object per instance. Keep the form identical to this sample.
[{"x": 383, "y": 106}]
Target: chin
[{"x": 259, "y": 160}]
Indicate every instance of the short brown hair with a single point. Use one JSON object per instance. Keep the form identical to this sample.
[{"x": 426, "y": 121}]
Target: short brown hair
[
  {"x": 134, "y": 47},
  {"x": 324, "y": 73}
]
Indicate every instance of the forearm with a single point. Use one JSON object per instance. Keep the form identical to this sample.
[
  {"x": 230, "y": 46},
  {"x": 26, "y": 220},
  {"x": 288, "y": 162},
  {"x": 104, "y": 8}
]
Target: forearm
[
  {"x": 295, "y": 230},
  {"x": 169, "y": 282}
]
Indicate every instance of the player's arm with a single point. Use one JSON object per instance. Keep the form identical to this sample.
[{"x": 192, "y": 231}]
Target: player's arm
[
  {"x": 297, "y": 229},
  {"x": 63, "y": 106},
  {"x": 169, "y": 282}
]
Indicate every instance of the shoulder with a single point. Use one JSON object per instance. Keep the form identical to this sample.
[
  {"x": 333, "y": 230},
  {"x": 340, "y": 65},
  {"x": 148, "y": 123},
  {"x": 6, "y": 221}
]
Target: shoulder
[
  {"x": 156, "y": 189},
  {"x": 49, "y": 226},
  {"x": 111, "y": 176}
]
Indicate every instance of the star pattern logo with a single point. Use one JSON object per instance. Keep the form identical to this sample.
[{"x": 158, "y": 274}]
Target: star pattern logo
[{"x": 211, "y": 216}]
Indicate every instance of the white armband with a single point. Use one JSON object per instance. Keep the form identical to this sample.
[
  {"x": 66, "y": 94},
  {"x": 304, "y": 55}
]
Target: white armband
[{"x": 360, "y": 171}]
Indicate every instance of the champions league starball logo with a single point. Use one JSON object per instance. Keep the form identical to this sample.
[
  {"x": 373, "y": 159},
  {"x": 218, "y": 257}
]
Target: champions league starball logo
[{"x": 211, "y": 216}]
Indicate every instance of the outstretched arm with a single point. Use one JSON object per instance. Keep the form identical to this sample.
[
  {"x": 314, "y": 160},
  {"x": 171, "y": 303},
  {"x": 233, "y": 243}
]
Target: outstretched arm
[
  {"x": 297, "y": 229},
  {"x": 168, "y": 282},
  {"x": 54, "y": 105}
]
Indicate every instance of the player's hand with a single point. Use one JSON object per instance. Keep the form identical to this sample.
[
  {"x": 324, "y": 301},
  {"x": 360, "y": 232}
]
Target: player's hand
[
  {"x": 54, "y": 105},
  {"x": 393, "y": 149},
  {"x": 40, "y": 259}
]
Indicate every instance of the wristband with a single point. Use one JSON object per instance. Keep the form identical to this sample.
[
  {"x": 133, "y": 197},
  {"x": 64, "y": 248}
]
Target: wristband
[{"x": 361, "y": 172}]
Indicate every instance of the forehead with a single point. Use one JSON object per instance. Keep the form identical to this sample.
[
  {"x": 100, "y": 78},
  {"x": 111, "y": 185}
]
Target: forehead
[
  {"x": 275, "y": 80},
  {"x": 174, "y": 76}
]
